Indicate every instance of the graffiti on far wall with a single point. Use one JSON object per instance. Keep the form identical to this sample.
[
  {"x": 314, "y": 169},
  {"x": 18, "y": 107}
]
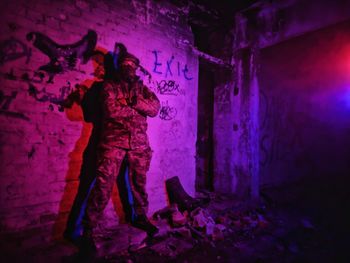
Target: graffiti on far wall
[
  {"x": 277, "y": 120},
  {"x": 223, "y": 97}
]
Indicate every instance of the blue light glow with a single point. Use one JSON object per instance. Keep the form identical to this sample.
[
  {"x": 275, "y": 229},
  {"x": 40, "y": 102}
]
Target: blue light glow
[{"x": 346, "y": 99}]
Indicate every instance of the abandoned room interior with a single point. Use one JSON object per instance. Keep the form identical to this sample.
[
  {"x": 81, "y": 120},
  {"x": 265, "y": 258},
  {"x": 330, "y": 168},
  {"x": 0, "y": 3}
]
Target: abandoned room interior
[{"x": 175, "y": 131}]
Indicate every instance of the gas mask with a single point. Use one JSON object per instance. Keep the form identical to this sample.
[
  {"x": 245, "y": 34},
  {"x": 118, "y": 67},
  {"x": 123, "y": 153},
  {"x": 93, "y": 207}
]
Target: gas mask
[
  {"x": 128, "y": 66},
  {"x": 129, "y": 72}
]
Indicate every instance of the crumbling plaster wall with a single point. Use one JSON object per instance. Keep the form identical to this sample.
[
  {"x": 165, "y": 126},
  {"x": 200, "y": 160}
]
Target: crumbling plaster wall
[
  {"x": 264, "y": 24},
  {"x": 41, "y": 145},
  {"x": 304, "y": 108}
]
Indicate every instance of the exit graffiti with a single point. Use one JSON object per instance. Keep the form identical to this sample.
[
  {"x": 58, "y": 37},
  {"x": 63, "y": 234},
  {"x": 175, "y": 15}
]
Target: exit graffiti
[{"x": 170, "y": 67}]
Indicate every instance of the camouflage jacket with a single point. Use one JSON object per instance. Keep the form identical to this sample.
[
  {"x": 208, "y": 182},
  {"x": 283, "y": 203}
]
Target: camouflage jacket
[{"x": 125, "y": 110}]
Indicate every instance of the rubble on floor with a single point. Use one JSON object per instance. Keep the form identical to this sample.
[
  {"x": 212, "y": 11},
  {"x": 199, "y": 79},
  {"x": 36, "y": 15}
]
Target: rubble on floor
[
  {"x": 223, "y": 230},
  {"x": 182, "y": 231}
]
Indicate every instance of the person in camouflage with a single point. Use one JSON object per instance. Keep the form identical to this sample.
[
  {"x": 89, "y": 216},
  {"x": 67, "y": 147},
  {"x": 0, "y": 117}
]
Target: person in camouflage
[{"x": 126, "y": 104}]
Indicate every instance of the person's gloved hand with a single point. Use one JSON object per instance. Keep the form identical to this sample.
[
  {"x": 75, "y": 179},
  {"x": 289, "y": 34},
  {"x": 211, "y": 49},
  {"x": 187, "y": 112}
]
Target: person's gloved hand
[{"x": 135, "y": 91}]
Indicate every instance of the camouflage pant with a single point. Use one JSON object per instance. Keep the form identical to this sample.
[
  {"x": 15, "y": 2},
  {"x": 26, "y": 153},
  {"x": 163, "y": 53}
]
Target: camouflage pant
[{"x": 108, "y": 166}]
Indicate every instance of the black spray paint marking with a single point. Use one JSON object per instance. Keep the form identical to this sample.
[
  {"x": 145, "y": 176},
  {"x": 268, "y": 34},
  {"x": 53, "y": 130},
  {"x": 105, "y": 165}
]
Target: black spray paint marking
[
  {"x": 223, "y": 97},
  {"x": 44, "y": 96},
  {"x": 13, "y": 26},
  {"x": 39, "y": 95},
  {"x": 275, "y": 146},
  {"x": 168, "y": 87},
  {"x": 51, "y": 107},
  {"x": 5, "y": 102},
  {"x": 166, "y": 112},
  {"x": 12, "y": 114},
  {"x": 12, "y": 49},
  {"x": 38, "y": 77},
  {"x": 31, "y": 153},
  {"x": 63, "y": 57},
  {"x": 10, "y": 75}
]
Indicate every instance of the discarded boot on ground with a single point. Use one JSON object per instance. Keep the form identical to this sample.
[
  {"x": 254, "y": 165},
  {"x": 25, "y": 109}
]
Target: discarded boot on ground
[
  {"x": 178, "y": 195},
  {"x": 142, "y": 222}
]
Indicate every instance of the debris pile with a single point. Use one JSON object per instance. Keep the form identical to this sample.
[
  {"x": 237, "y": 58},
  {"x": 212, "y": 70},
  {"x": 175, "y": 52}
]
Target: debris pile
[
  {"x": 201, "y": 224},
  {"x": 188, "y": 222},
  {"x": 183, "y": 230}
]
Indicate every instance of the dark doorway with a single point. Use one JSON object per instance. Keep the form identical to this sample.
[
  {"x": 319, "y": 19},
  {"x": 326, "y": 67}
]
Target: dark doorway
[{"x": 204, "y": 157}]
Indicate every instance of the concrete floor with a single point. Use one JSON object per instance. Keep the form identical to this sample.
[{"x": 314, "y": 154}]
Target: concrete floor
[{"x": 281, "y": 228}]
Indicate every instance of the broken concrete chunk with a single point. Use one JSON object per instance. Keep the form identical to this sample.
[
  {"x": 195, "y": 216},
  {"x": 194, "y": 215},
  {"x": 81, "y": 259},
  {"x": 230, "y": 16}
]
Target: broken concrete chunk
[
  {"x": 209, "y": 229},
  {"x": 178, "y": 219},
  {"x": 223, "y": 219},
  {"x": 221, "y": 227},
  {"x": 218, "y": 233},
  {"x": 262, "y": 222},
  {"x": 306, "y": 223},
  {"x": 183, "y": 232},
  {"x": 165, "y": 212},
  {"x": 201, "y": 218},
  {"x": 171, "y": 247}
]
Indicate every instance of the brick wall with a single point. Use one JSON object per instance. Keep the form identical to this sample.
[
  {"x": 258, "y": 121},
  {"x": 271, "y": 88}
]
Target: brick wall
[{"x": 41, "y": 145}]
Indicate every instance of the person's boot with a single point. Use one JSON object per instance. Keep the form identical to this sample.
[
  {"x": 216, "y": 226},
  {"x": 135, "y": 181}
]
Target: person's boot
[
  {"x": 69, "y": 236},
  {"x": 87, "y": 244},
  {"x": 142, "y": 222}
]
